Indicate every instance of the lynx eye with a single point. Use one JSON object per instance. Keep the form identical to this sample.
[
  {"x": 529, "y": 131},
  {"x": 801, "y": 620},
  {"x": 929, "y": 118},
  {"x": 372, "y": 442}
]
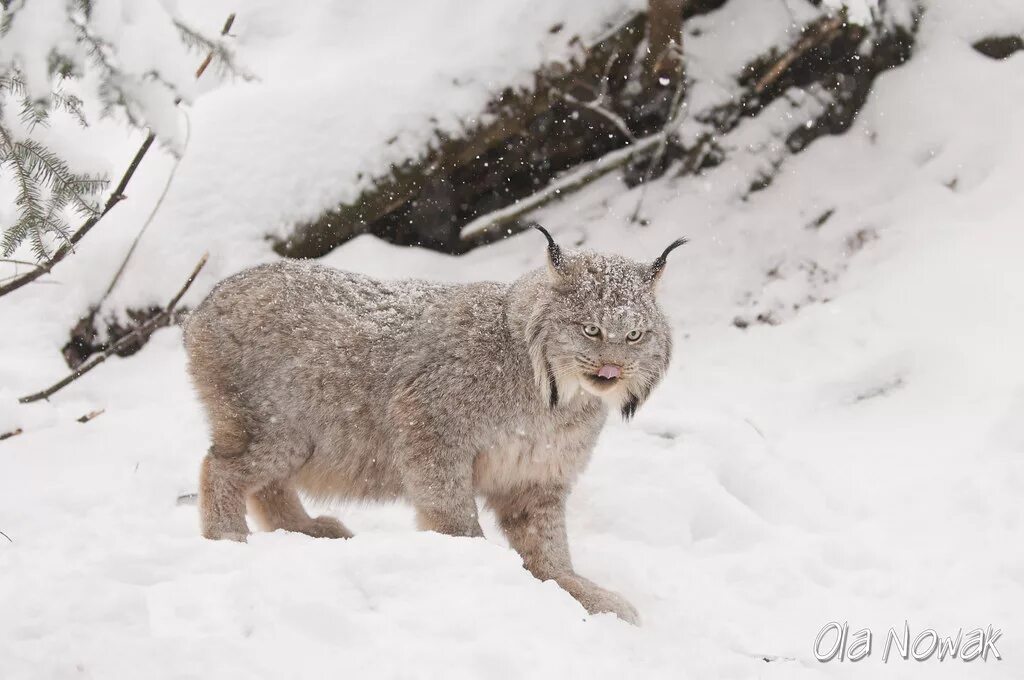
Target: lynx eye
[
  {"x": 591, "y": 331},
  {"x": 633, "y": 336}
]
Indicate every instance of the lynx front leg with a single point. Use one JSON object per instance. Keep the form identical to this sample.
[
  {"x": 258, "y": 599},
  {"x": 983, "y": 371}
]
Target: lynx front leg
[
  {"x": 534, "y": 523},
  {"x": 439, "y": 483}
]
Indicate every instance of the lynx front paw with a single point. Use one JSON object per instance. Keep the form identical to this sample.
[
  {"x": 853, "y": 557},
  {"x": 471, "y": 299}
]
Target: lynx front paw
[{"x": 597, "y": 600}]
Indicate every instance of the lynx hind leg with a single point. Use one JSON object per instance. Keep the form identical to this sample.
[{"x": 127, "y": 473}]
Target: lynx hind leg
[
  {"x": 236, "y": 467},
  {"x": 277, "y": 506},
  {"x": 222, "y": 499}
]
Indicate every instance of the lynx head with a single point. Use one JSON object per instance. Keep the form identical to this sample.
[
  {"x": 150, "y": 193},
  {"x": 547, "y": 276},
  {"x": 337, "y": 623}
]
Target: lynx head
[{"x": 596, "y": 326}]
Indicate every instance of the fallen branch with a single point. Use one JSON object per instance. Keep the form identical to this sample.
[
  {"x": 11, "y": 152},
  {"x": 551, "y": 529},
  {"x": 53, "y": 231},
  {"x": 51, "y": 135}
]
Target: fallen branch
[
  {"x": 597, "y": 107},
  {"x": 13, "y": 433},
  {"x": 487, "y": 227},
  {"x": 818, "y": 34},
  {"x": 115, "y": 197},
  {"x": 158, "y": 321},
  {"x": 599, "y": 103},
  {"x": 90, "y": 415}
]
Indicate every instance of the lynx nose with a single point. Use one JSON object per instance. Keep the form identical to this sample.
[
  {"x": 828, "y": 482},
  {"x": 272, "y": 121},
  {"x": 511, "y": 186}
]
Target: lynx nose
[{"x": 609, "y": 371}]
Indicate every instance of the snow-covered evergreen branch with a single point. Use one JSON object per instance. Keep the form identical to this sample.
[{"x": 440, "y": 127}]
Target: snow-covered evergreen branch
[{"x": 48, "y": 45}]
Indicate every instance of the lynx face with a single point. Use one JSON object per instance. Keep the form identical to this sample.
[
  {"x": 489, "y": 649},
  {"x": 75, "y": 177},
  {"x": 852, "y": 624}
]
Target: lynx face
[{"x": 599, "y": 329}]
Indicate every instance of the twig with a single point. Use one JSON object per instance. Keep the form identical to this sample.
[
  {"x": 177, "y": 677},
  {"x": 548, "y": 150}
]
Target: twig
[
  {"x": 115, "y": 197},
  {"x": 597, "y": 104},
  {"x": 149, "y": 218},
  {"x": 187, "y": 499},
  {"x": 90, "y": 415},
  {"x": 24, "y": 262},
  {"x": 7, "y": 537},
  {"x": 818, "y": 34},
  {"x": 696, "y": 156},
  {"x": 13, "y": 433},
  {"x": 671, "y": 125},
  {"x": 170, "y": 177},
  {"x": 209, "y": 57},
  {"x": 158, "y": 321}
]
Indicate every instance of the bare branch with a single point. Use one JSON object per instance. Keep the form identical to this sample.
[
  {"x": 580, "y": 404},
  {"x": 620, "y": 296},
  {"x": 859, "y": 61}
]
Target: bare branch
[
  {"x": 595, "y": 105},
  {"x": 676, "y": 112},
  {"x": 817, "y": 34},
  {"x": 13, "y": 433},
  {"x": 158, "y": 321},
  {"x": 149, "y": 218},
  {"x": 90, "y": 415},
  {"x": 599, "y": 103}
]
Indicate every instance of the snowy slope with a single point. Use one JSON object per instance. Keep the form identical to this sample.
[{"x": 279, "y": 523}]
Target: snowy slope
[{"x": 860, "y": 459}]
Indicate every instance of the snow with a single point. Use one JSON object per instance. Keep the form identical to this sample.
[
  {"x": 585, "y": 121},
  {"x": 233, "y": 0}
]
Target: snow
[{"x": 858, "y": 460}]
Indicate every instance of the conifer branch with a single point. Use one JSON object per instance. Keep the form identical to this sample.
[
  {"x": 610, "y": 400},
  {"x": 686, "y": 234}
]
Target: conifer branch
[
  {"x": 216, "y": 52},
  {"x": 115, "y": 197}
]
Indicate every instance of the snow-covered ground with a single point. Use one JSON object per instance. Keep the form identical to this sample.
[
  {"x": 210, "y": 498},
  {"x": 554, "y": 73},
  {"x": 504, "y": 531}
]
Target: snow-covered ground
[{"x": 860, "y": 459}]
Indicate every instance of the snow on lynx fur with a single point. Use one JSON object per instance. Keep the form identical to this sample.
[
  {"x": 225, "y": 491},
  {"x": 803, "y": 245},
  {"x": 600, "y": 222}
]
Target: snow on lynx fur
[{"x": 343, "y": 386}]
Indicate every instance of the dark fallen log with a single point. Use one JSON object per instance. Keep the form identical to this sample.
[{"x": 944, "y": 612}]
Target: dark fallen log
[
  {"x": 578, "y": 113},
  {"x": 533, "y": 136}
]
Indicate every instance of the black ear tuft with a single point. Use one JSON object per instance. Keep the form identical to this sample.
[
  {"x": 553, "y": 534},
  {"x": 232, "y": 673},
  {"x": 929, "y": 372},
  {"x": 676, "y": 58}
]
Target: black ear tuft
[
  {"x": 659, "y": 263},
  {"x": 554, "y": 252}
]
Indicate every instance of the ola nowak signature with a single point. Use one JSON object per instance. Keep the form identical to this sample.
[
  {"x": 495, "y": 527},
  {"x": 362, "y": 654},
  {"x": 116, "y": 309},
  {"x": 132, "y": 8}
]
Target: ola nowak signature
[{"x": 836, "y": 642}]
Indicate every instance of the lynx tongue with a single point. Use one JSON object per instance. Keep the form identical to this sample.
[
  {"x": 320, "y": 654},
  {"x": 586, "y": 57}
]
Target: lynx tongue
[{"x": 609, "y": 371}]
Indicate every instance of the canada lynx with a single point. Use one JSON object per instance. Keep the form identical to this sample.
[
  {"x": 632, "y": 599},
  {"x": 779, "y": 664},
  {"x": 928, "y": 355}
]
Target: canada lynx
[{"x": 340, "y": 385}]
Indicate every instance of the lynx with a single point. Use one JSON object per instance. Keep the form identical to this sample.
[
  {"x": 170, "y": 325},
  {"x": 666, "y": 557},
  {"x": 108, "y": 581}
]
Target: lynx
[{"x": 342, "y": 386}]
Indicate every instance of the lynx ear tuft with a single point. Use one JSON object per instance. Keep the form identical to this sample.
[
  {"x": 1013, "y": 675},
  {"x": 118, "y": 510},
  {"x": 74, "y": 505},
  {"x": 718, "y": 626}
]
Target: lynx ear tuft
[
  {"x": 555, "y": 258},
  {"x": 659, "y": 264}
]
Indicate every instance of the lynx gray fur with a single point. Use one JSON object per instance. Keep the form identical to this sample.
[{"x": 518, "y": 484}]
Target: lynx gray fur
[{"x": 342, "y": 386}]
